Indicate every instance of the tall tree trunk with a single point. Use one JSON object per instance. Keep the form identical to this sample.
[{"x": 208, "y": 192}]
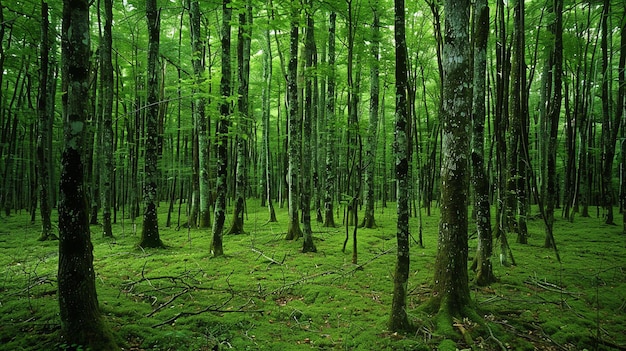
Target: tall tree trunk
[
  {"x": 310, "y": 110},
  {"x": 106, "y": 67},
  {"x": 199, "y": 106},
  {"x": 482, "y": 263},
  {"x": 610, "y": 126},
  {"x": 43, "y": 162},
  {"x": 451, "y": 290},
  {"x": 399, "y": 319},
  {"x": 294, "y": 140},
  {"x": 221, "y": 181},
  {"x": 243, "y": 69},
  {"x": 81, "y": 320},
  {"x": 267, "y": 88},
  {"x": 150, "y": 230},
  {"x": 329, "y": 188},
  {"x": 619, "y": 106},
  {"x": 370, "y": 163}
]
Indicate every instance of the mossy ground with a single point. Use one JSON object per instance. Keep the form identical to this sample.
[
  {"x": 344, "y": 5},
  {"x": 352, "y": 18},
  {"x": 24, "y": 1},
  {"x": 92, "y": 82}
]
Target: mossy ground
[{"x": 267, "y": 295}]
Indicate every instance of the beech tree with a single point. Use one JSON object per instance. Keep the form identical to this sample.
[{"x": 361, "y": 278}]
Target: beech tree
[
  {"x": 451, "y": 290},
  {"x": 399, "y": 319},
  {"x": 81, "y": 319},
  {"x": 150, "y": 230},
  {"x": 106, "y": 76}
]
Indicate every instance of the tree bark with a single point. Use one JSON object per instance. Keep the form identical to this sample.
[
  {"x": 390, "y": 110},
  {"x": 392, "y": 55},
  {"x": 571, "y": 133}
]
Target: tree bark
[
  {"x": 399, "y": 319},
  {"x": 482, "y": 263},
  {"x": 81, "y": 320},
  {"x": 222, "y": 135},
  {"x": 310, "y": 110},
  {"x": 106, "y": 67},
  {"x": 370, "y": 162},
  {"x": 294, "y": 139},
  {"x": 451, "y": 290},
  {"x": 243, "y": 69},
  {"x": 43, "y": 162},
  {"x": 150, "y": 231},
  {"x": 267, "y": 88},
  {"x": 329, "y": 188}
]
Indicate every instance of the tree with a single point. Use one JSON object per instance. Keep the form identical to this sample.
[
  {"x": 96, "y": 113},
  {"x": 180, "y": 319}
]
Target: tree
[
  {"x": 243, "y": 72},
  {"x": 222, "y": 135},
  {"x": 267, "y": 88},
  {"x": 368, "y": 219},
  {"x": 150, "y": 231},
  {"x": 106, "y": 75},
  {"x": 482, "y": 263},
  {"x": 43, "y": 162},
  {"x": 399, "y": 319},
  {"x": 81, "y": 320},
  {"x": 451, "y": 290},
  {"x": 294, "y": 141},
  {"x": 310, "y": 111},
  {"x": 200, "y": 120},
  {"x": 329, "y": 187}
]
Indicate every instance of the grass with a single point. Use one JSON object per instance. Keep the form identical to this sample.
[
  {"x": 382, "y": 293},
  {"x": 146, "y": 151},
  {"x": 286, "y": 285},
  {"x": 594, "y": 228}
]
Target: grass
[{"x": 266, "y": 295}]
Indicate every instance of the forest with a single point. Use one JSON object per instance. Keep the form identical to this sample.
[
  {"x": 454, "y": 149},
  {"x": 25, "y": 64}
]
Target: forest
[{"x": 297, "y": 174}]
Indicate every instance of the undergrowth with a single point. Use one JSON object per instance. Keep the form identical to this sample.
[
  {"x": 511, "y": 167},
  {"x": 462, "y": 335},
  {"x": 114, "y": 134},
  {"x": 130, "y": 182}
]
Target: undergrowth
[{"x": 267, "y": 295}]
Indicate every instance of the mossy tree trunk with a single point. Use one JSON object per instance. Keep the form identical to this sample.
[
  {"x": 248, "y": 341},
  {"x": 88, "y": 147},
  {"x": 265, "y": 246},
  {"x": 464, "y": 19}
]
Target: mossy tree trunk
[
  {"x": 483, "y": 268},
  {"x": 370, "y": 162},
  {"x": 619, "y": 112},
  {"x": 106, "y": 75},
  {"x": 399, "y": 319},
  {"x": 243, "y": 71},
  {"x": 221, "y": 182},
  {"x": 294, "y": 141},
  {"x": 329, "y": 187},
  {"x": 43, "y": 162},
  {"x": 81, "y": 320},
  {"x": 451, "y": 291},
  {"x": 310, "y": 111},
  {"x": 150, "y": 231}
]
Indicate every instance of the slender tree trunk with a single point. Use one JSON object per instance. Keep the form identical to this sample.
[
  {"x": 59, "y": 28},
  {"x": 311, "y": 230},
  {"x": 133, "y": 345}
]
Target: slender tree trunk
[
  {"x": 368, "y": 219},
  {"x": 106, "y": 67},
  {"x": 150, "y": 230},
  {"x": 199, "y": 107},
  {"x": 329, "y": 188},
  {"x": 294, "y": 140},
  {"x": 243, "y": 69},
  {"x": 610, "y": 126},
  {"x": 619, "y": 106},
  {"x": 399, "y": 319},
  {"x": 451, "y": 290},
  {"x": 310, "y": 110},
  {"x": 222, "y": 135},
  {"x": 81, "y": 320},
  {"x": 482, "y": 263},
  {"x": 267, "y": 88},
  {"x": 43, "y": 162}
]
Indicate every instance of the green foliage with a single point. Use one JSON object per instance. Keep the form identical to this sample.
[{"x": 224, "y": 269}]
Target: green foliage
[{"x": 287, "y": 300}]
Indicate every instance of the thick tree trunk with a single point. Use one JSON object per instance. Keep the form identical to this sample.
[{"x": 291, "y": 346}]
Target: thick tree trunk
[
  {"x": 329, "y": 188},
  {"x": 43, "y": 162},
  {"x": 451, "y": 290},
  {"x": 150, "y": 231},
  {"x": 399, "y": 319},
  {"x": 81, "y": 320},
  {"x": 482, "y": 263},
  {"x": 294, "y": 140},
  {"x": 222, "y": 135},
  {"x": 370, "y": 162}
]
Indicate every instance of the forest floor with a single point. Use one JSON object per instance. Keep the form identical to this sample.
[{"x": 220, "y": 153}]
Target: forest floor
[{"x": 266, "y": 295}]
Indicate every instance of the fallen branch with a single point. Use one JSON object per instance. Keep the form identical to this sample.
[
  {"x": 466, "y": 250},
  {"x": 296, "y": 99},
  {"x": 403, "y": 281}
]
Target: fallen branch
[
  {"x": 272, "y": 261},
  {"x": 211, "y": 309},
  {"x": 551, "y": 287},
  {"x": 163, "y": 305}
]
